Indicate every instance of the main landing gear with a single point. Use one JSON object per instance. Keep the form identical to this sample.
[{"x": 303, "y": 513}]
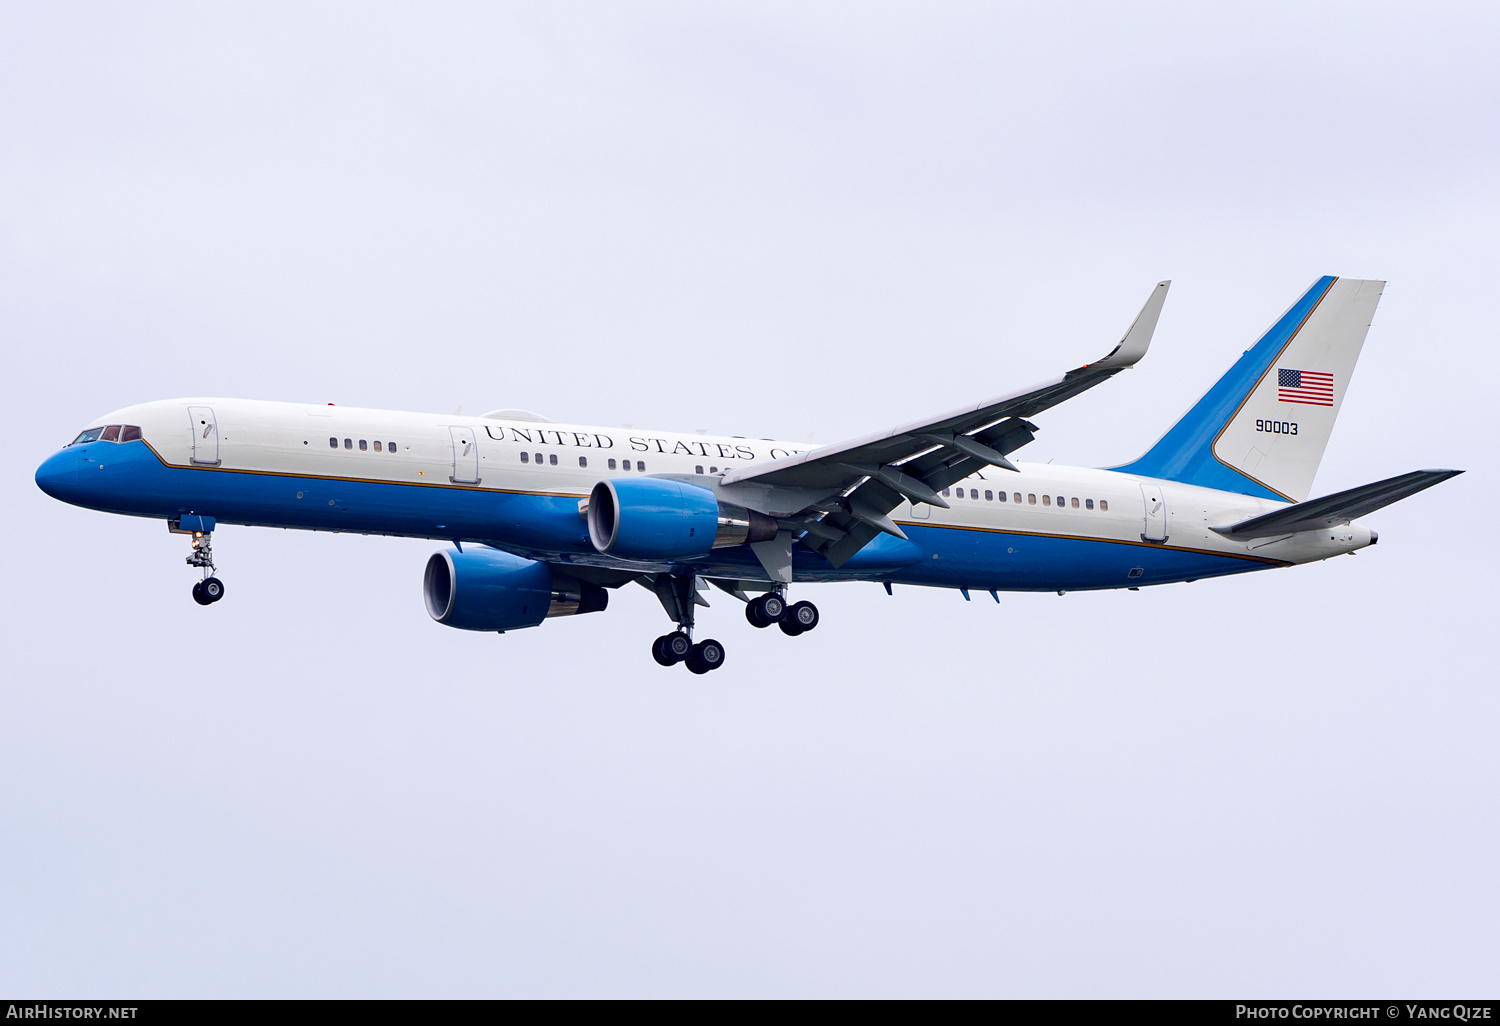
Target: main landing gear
[
  {"x": 678, "y": 596},
  {"x": 798, "y": 618},
  {"x": 678, "y": 647}
]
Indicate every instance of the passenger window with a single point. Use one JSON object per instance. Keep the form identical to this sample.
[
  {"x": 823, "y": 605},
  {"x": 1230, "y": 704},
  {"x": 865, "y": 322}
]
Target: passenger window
[
  {"x": 583, "y": 461},
  {"x": 1103, "y": 506},
  {"x": 945, "y": 492},
  {"x": 539, "y": 457},
  {"x": 377, "y": 445},
  {"x": 363, "y": 445},
  {"x": 131, "y": 433},
  {"x": 91, "y": 435},
  {"x": 1075, "y": 502},
  {"x": 1046, "y": 500},
  {"x": 697, "y": 470},
  {"x": 640, "y": 467},
  {"x": 624, "y": 464},
  {"x": 1017, "y": 498},
  {"x": 1030, "y": 499},
  {"x": 348, "y": 443},
  {"x": 390, "y": 446},
  {"x": 111, "y": 434},
  {"x": 525, "y": 457},
  {"x": 989, "y": 496},
  {"x": 1088, "y": 503},
  {"x": 713, "y": 470},
  {"x": 333, "y": 443},
  {"x": 611, "y": 464},
  {"x": 1001, "y": 496},
  {"x": 1061, "y": 502},
  {"x": 552, "y": 459}
]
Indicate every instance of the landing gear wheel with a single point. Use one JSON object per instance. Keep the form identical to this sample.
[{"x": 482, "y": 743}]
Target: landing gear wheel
[
  {"x": 804, "y": 615},
  {"x": 766, "y": 610},
  {"x": 671, "y": 649},
  {"x": 213, "y": 590},
  {"x": 198, "y": 595},
  {"x": 790, "y": 627},
  {"x": 705, "y": 656},
  {"x": 754, "y": 614}
]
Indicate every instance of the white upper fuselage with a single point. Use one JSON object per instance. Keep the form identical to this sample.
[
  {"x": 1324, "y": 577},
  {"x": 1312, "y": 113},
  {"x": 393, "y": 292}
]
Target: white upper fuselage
[{"x": 537, "y": 458}]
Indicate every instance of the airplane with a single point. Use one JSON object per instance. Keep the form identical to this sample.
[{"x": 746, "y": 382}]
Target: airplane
[{"x": 546, "y": 519}]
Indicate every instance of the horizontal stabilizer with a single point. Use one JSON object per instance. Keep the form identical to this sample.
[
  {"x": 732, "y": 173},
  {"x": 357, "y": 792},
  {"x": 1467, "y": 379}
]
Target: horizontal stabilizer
[{"x": 1338, "y": 508}]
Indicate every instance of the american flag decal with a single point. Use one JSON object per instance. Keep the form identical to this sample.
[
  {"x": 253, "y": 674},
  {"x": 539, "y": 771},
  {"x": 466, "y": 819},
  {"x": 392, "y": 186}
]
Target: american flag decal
[{"x": 1310, "y": 388}]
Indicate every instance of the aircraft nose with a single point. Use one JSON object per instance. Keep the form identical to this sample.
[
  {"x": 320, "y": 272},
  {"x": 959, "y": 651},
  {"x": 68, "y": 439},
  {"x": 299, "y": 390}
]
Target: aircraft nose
[{"x": 58, "y": 475}]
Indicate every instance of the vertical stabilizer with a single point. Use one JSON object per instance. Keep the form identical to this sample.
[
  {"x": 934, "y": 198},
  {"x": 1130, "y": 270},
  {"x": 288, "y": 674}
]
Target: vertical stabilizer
[{"x": 1262, "y": 428}]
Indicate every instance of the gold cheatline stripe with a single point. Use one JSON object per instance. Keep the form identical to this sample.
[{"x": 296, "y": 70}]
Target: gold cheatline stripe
[{"x": 571, "y": 495}]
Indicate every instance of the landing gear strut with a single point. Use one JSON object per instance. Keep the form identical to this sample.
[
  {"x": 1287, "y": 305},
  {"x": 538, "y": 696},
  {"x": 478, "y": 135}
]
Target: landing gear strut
[
  {"x": 678, "y": 594},
  {"x": 770, "y": 608}
]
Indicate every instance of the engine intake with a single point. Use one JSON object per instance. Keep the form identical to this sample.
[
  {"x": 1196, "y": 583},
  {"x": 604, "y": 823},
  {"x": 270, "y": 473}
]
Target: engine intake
[
  {"x": 491, "y": 590},
  {"x": 657, "y": 518}
]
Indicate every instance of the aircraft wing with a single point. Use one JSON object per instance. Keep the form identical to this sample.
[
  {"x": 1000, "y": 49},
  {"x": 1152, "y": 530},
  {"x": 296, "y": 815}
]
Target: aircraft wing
[
  {"x": 842, "y": 495},
  {"x": 1338, "y": 508}
]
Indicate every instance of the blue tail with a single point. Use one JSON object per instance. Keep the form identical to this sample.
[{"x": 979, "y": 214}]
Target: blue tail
[{"x": 1224, "y": 442}]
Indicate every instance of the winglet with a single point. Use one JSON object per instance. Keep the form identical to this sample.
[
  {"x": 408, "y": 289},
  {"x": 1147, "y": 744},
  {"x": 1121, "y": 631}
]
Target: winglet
[{"x": 1133, "y": 346}]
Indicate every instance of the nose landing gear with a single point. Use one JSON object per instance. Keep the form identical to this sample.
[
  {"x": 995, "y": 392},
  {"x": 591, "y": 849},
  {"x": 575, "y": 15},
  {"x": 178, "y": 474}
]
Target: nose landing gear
[{"x": 209, "y": 590}]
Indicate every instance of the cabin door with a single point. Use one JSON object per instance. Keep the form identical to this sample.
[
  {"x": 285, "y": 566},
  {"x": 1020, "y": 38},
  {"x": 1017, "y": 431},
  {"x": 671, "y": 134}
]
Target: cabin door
[
  {"x": 1155, "y": 529},
  {"x": 465, "y": 456},
  {"x": 205, "y": 435}
]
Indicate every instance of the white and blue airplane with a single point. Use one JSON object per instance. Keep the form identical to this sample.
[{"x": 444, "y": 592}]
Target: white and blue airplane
[{"x": 547, "y": 518}]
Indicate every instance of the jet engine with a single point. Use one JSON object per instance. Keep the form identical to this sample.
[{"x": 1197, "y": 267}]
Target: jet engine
[
  {"x": 490, "y": 590},
  {"x": 655, "y": 518}
]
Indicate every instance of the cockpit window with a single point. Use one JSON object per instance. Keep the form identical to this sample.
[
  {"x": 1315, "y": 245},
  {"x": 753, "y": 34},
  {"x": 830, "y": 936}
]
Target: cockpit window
[
  {"x": 111, "y": 434},
  {"x": 91, "y": 435},
  {"x": 130, "y": 433}
]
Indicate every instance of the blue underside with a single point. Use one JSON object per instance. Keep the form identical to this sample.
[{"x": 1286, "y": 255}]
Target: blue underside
[
  {"x": 129, "y": 478},
  {"x": 1185, "y": 452}
]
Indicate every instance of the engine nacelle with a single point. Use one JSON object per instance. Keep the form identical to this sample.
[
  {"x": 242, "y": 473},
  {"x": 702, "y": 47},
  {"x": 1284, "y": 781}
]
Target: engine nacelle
[
  {"x": 491, "y": 590},
  {"x": 656, "y": 518}
]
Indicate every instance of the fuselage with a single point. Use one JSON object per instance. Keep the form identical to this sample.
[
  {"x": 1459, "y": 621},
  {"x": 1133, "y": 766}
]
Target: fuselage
[{"x": 517, "y": 484}]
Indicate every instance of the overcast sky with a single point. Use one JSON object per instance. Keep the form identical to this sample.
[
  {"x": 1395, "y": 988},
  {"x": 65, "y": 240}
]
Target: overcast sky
[{"x": 802, "y": 221}]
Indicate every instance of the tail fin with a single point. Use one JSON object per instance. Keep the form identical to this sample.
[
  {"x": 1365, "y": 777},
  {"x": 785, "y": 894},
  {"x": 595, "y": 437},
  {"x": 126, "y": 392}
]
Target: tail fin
[{"x": 1261, "y": 430}]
